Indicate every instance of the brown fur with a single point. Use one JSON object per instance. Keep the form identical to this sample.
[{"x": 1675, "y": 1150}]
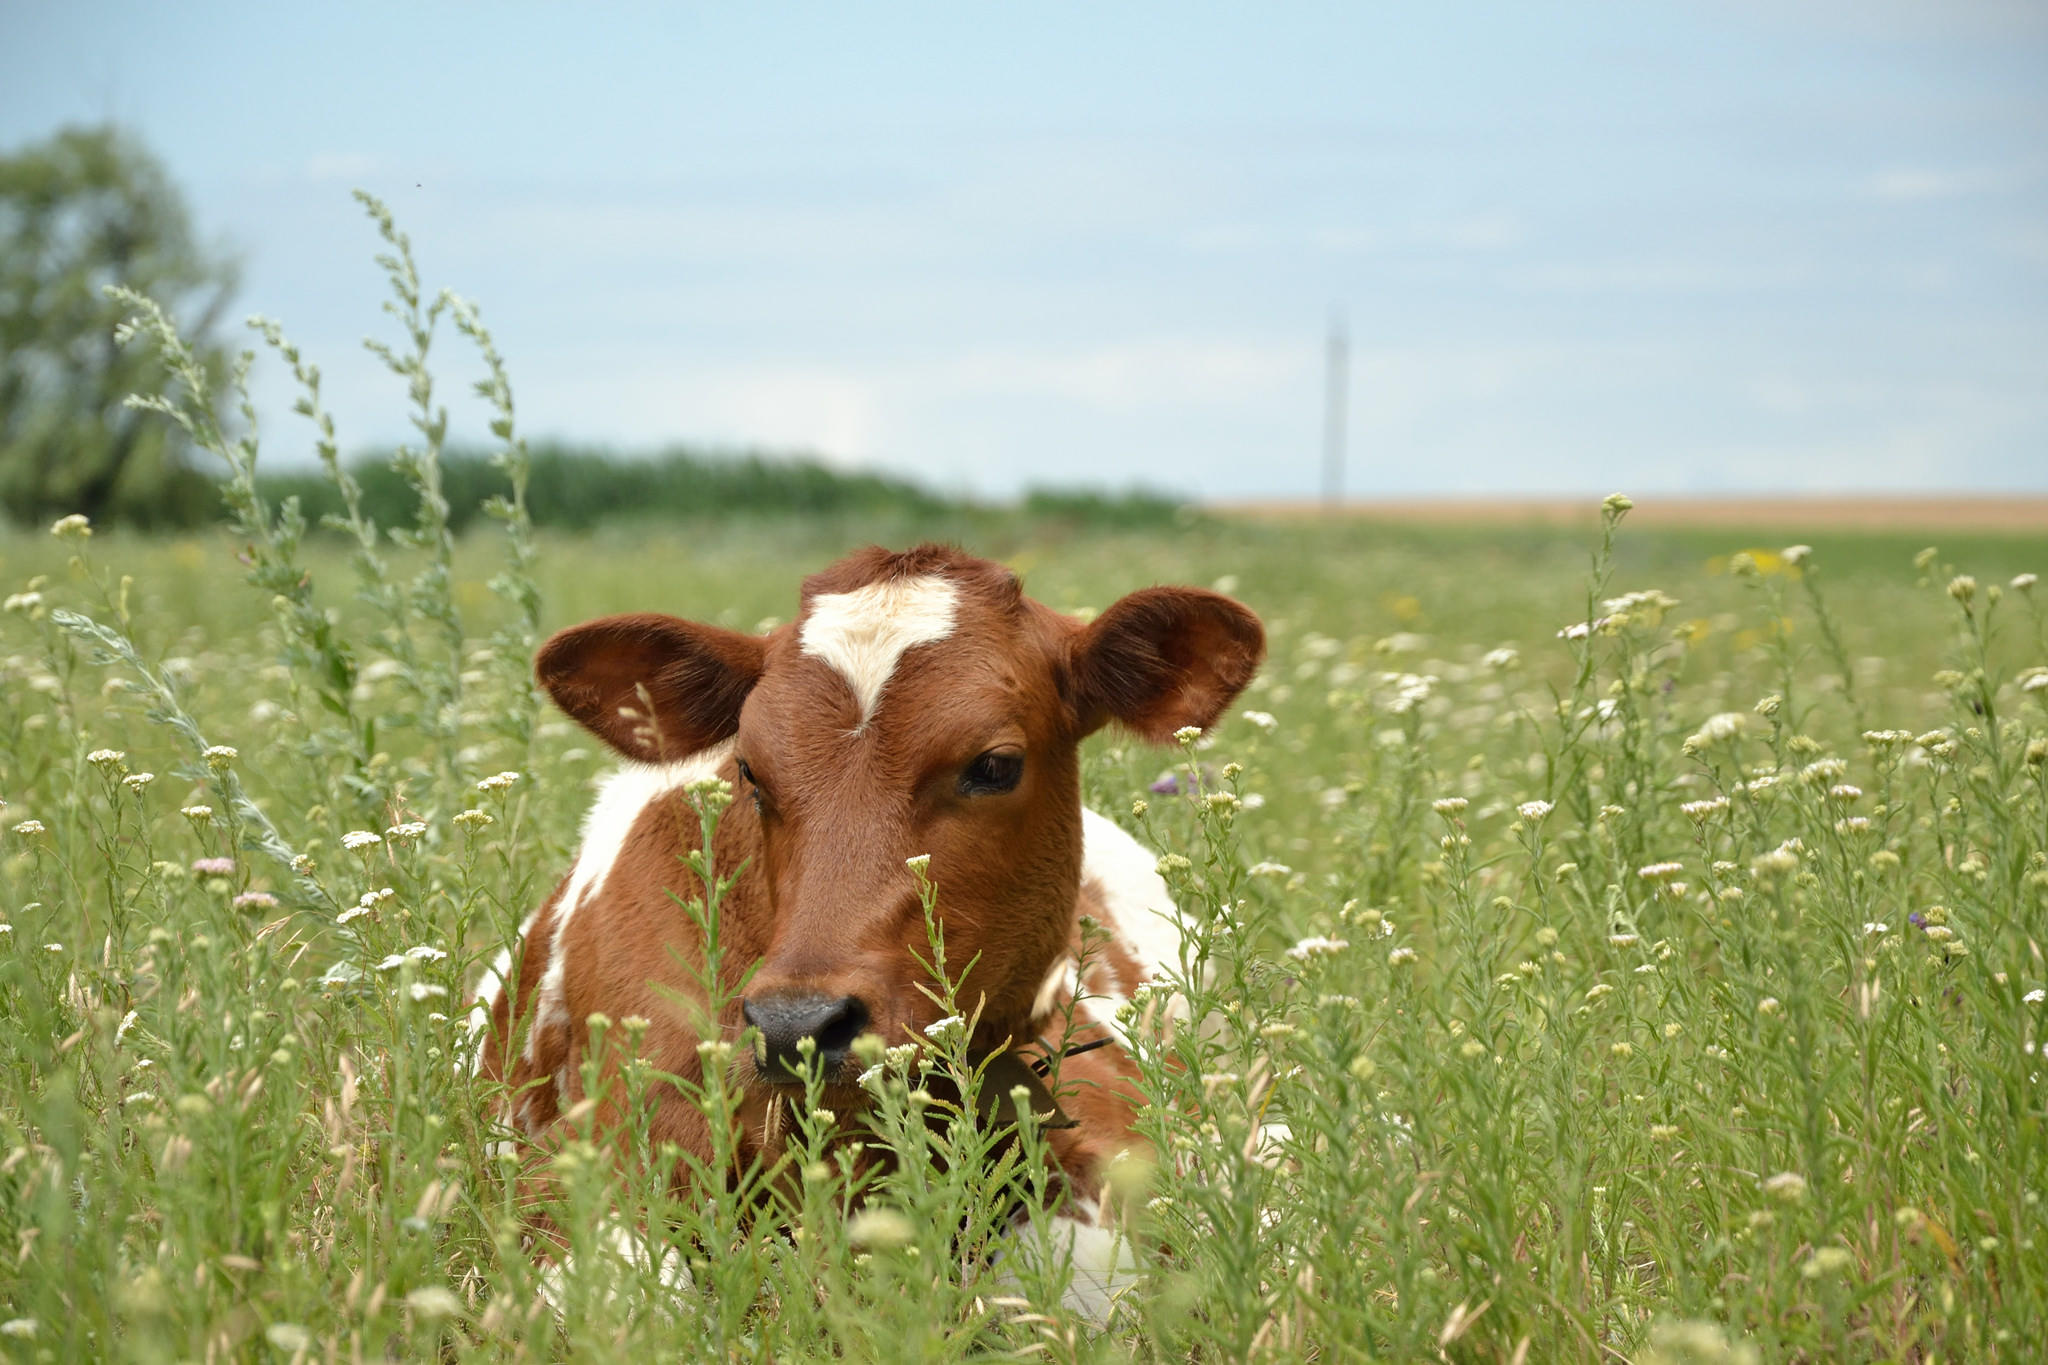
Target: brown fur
[{"x": 826, "y": 903}]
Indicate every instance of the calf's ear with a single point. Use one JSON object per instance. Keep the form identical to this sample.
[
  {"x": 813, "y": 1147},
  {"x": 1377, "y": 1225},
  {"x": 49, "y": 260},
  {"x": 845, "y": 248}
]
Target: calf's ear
[
  {"x": 653, "y": 687},
  {"x": 1164, "y": 658}
]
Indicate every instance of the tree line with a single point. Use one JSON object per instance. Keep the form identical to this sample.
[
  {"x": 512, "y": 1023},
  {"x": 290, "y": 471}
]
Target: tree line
[{"x": 90, "y": 207}]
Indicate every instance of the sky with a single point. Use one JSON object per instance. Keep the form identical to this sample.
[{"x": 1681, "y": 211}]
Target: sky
[{"x": 1789, "y": 247}]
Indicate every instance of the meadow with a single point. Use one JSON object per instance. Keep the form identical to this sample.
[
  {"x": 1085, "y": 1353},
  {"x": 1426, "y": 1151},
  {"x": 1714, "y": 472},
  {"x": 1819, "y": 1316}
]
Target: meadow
[
  {"x": 1667, "y": 989},
  {"x": 1636, "y": 934}
]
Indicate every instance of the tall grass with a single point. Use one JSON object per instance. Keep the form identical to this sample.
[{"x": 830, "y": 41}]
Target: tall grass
[{"x": 1629, "y": 958}]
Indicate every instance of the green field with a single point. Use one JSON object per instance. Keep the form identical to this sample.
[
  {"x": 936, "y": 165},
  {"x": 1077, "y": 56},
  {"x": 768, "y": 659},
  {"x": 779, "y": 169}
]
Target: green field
[{"x": 1727, "y": 1051}]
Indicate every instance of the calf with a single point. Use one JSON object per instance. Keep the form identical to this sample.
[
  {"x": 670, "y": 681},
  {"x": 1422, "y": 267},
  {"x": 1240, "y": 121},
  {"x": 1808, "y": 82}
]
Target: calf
[{"x": 918, "y": 704}]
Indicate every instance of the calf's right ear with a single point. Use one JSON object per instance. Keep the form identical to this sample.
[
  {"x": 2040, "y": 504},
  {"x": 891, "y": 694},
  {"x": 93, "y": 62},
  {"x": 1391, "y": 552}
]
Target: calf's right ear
[{"x": 653, "y": 687}]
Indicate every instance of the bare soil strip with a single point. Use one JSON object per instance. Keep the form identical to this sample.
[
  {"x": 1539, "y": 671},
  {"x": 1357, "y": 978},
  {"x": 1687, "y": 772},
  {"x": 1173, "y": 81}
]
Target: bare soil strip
[{"x": 2013, "y": 513}]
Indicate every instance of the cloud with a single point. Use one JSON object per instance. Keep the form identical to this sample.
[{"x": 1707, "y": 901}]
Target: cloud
[
  {"x": 351, "y": 168},
  {"x": 1189, "y": 371},
  {"x": 1653, "y": 276},
  {"x": 1477, "y": 232},
  {"x": 1911, "y": 184}
]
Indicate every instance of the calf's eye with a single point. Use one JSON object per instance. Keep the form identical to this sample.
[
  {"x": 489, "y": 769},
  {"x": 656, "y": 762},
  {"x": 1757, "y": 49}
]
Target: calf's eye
[
  {"x": 993, "y": 773},
  {"x": 747, "y": 776}
]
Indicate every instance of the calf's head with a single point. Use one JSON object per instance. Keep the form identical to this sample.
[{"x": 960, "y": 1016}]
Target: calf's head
[{"x": 919, "y": 704}]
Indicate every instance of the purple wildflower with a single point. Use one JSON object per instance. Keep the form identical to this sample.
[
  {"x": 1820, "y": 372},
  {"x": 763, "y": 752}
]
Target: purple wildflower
[{"x": 214, "y": 867}]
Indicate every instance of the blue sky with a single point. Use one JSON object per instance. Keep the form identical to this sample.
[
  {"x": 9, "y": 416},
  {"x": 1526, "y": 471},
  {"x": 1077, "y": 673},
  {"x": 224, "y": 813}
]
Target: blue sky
[{"x": 1785, "y": 247}]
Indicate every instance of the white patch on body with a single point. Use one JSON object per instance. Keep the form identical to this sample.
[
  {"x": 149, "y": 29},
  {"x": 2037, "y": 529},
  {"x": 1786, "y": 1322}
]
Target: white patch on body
[
  {"x": 487, "y": 992},
  {"x": 617, "y": 1255},
  {"x": 863, "y": 634},
  {"x": 1140, "y": 915},
  {"x": 1134, "y": 895},
  {"x": 1103, "y": 1268},
  {"x": 621, "y": 797}
]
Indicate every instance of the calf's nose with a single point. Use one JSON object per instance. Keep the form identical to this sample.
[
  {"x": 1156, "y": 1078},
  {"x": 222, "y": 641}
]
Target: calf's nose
[{"x": 787, "y": 1018}]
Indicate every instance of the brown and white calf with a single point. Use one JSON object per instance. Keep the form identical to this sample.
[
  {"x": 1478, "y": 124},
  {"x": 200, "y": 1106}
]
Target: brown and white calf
[{"x": 920, "y": 703}]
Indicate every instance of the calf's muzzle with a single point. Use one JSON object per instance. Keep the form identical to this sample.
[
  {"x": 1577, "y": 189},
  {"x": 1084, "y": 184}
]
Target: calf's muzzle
[{"x": 786, "y": 1018}]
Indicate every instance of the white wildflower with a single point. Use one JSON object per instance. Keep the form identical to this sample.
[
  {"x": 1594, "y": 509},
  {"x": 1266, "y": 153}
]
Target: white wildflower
[
  {"x": 1788, "y": 1187},
  {"x": 135, "y": 782},
  {"x": 1533, "y": 811},
  {"x": 434, "y": 1301},
  {"x": 357, "y": 839},
  {"x": 1722, "y": 725},
  {"x": 878, "y": 1227},
  {"x": 1316, "y": 945},
  {"x": 1268, "y": 869},
  {"x": 289, "y": 1337},
  {"x": 1263, "y": 719},
  {"x": 497, "y": 782}
]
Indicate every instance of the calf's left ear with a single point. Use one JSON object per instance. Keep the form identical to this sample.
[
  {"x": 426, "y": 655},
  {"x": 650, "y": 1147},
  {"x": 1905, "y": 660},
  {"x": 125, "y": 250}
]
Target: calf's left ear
[
  {"x": 653, "y": 687},
  {"x": 1163, "y": 658}
]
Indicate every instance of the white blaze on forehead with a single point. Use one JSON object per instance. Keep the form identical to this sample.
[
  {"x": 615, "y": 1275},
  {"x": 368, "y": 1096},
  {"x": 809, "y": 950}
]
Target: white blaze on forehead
[{"x": 862, "y": 634}]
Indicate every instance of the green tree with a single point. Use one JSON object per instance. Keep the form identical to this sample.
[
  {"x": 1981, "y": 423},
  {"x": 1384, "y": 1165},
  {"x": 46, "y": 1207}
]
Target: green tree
[{"x": 87, "y": 208}]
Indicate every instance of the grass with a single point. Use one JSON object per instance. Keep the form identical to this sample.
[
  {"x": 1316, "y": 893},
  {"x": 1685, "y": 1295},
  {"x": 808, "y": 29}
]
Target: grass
[
  {"x": 1667, "y": 989},
  {"x": 1537, "y": 1095}
]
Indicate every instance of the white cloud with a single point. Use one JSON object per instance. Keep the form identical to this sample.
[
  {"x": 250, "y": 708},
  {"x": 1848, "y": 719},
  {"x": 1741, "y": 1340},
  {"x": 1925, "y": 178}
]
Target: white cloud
[
  {"x": 1125, "y": 375},
  {"x": 350, "y": 168},
  {"x": 1913, "y": 183},
  {"x": 1653, "y": 276}
]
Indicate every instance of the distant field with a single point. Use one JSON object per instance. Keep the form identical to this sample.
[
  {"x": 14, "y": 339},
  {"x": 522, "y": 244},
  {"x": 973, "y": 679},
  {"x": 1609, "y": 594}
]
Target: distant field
[
  {"x": 1641, "y": 944},
  {"x": 2019, "y": 513}
]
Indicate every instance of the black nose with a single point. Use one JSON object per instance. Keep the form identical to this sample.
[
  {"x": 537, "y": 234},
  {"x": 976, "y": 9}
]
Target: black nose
[{"x": 784, "y": 1020}]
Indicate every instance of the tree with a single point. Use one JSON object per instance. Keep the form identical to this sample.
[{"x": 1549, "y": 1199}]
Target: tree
[{"x": 87, "y": 208}]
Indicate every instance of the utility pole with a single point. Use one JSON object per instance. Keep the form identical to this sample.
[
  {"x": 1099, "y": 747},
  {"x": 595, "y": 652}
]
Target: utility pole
[{"x": 1336, "y": 393}]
